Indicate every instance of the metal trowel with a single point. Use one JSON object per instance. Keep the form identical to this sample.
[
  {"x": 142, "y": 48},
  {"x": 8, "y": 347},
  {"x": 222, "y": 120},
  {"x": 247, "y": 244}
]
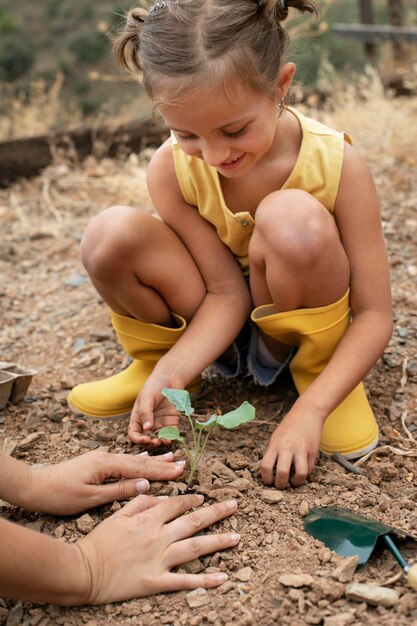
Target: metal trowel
[{"x": 349, "y": 534}]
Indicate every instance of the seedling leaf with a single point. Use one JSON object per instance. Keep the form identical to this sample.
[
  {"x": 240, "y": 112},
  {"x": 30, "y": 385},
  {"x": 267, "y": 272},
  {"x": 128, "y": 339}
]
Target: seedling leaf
[
  {"x": 241, "y": 415},
  {"x": 210, "y": 422},
  {"x": 171, "y": 433},
  {"x": 180, "y": 398}
]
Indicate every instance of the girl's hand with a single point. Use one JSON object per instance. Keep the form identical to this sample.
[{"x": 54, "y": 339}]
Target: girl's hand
[
  {"x": 293, "y": 448},
  {"x": 73, "y": 486},
  {"x": 151, "y": 412},
  {"x": 152, "y": 539}
]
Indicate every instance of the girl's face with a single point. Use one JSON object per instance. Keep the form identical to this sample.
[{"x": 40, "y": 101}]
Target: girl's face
[{"x": 231, "y": 134}]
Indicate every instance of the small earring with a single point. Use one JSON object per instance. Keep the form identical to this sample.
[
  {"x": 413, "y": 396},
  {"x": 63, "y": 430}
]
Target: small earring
[{"x": 281, "y": 103}]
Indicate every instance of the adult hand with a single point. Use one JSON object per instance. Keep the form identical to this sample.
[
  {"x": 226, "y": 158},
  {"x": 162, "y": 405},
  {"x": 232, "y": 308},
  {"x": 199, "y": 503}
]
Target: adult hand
[
  {"x": 75, "y": 485},
  {"x": 293, "y": 447},
  {"x": 152, "y": 539}
]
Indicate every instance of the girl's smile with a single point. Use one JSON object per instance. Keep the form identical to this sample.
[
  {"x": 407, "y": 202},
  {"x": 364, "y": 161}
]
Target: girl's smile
[{"x": 229, "y": 133}]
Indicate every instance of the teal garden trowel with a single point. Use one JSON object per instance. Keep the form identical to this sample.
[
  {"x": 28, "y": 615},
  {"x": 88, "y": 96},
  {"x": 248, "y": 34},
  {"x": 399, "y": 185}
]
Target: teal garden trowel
[{"x": 349, "y": 534}]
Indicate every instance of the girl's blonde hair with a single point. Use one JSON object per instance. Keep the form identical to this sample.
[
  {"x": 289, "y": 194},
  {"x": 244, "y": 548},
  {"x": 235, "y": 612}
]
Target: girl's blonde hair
[{"x": 181, "y": 45}]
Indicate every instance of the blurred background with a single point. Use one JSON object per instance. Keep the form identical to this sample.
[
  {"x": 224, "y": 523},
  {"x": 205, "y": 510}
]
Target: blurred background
[{"x": 57, "y": 71}]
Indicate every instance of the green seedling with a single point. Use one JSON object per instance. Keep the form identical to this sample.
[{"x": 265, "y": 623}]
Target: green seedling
[{"x": 201, "y": 430}]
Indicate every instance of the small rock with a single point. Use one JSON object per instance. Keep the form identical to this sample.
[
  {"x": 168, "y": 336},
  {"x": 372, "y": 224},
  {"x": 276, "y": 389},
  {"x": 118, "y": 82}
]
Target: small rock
[
  {"x": 296, "y": 580},
  {"x": 9, "y": 446},
  {"x": 15, "y": 615},
  {"x": 345, "y": 571},
  {"x": 237, "y": 461},
  {"x": 197, "y": 597},
  {"x": 193, "y": 567},
  {"x": 241, "y": 484},
  {"x": 28, "y": 442},
  {"x": 85, "y": 523},
  {"x": 37, "y": 525},
  {"x": 372, "y": 594},
  {"x": 59, "y": 531},
  {"x": 303, "y": 509},
  {"x": 75, "y": 280},
  {"x": 244, "y": 574},
  {"x": 271, "y": 496},
  {"x": 226, "y": 587},
  {"x": 411, "y": 368},
  {"x": 342, "y": 619}
]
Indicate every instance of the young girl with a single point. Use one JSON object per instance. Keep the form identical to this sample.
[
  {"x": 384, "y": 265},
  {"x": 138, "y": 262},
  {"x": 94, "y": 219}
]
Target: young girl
[{"x": 264, "y": 214}]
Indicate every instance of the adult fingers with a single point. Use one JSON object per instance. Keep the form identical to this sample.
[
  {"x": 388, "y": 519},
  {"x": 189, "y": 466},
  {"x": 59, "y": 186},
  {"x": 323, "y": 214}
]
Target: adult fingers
[
  {"x": 177, "y": 582},
  {"x": 135, "y": 466},
  {"x": 137, "y": 505},
  {"x": 188, "y": 525},
  {"x": 189, "y": 549},
  {"x": 177, "y": 505}
]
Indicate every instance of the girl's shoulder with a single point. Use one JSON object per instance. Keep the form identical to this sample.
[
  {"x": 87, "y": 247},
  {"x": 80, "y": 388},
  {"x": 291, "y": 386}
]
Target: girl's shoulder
[{"x": 316, "y": 127}]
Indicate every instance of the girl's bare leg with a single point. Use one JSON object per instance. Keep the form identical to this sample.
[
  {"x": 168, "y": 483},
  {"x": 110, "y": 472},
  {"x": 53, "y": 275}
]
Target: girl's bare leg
[
  {"x": 296, "y": 257},
  {"x": 140, "y": 267}
]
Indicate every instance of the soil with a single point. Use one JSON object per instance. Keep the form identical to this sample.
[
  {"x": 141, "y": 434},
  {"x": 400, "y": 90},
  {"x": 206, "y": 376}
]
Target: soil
[{"x": 54, "y": 321}]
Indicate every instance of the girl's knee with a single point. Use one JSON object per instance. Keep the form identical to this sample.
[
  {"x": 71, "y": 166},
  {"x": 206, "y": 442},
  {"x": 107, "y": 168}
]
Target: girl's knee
[
  {"x": 293, "y": 224},
  {"x": 112, "y": 236}
]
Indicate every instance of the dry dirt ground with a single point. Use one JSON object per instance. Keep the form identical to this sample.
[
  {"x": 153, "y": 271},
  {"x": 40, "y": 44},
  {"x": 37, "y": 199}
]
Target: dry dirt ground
[{"x": 52, "y": 320}]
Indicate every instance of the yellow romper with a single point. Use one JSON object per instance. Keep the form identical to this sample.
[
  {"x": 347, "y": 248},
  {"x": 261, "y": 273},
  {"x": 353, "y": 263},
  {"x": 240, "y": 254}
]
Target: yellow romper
[
  {"x": 316, "y": 171},
  {"x": 351, "y": 428}
]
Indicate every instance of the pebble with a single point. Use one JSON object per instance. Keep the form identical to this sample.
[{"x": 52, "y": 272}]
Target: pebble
[
  {"x": 193, "y": 567},
  {"x": 28, "y": 442},
  {"x": 372, "y": 594},
  {"x": 342, "y": 619},
  {"x": 304, "y": 508},
  {"x": 241, "y": 484},
  {"x": 85, "y": 523},
  {"x": 15, "y": 615},
  {"x": 296, "y": 580},
  {"x": 345, "y": 571},
  {"x": 271, "y": 496},
  {"x": 198, "y": 597},
  {"x": 75, "y": 280},
  {"x": 244, "y": 574}
]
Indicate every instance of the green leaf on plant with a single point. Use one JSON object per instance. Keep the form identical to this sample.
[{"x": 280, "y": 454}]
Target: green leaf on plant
[
  {"x": 171, "y": 433},
  {"x": 180, "y": 398},
  {"x": 241, "y": 415},
  {"x": 210, "y": 422}
]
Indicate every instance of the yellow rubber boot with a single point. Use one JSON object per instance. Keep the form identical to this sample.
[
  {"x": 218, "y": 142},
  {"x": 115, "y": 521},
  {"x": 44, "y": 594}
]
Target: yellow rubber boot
[
  {"x": 115, "y": 396},
  {"x": 351, "y": 428}
]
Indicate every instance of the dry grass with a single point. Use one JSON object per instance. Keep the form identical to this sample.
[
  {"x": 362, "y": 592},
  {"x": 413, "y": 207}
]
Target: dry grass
[{"x": 37, "y": 112}]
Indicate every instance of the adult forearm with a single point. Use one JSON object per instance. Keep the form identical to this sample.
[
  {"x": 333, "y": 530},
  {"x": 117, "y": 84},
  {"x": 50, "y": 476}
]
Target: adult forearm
[{"x": 38, "y": 568}]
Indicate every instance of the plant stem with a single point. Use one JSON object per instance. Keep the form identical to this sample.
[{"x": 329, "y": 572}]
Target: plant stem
[
  {"x": 192, "y": 430},
  {"x": 197, "y": 444}
]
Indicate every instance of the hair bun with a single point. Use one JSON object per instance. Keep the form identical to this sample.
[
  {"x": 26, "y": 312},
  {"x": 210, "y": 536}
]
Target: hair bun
[{"x": 277, "y": 10}]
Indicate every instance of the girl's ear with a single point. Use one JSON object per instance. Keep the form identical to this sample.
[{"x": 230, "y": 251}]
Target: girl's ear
[{"x": 285, "y": 77}]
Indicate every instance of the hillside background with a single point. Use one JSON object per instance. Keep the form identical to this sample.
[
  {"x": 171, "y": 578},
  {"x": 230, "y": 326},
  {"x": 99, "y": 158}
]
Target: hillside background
[{"x": 56, "y": 66}]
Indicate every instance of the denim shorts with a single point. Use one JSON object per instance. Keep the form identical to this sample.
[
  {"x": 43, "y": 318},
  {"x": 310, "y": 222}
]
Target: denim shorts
[{"x": 247, "y": 358}]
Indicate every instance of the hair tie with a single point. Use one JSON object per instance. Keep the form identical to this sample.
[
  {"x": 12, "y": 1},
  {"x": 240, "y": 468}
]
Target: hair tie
[
  {"x": 282, "y": 4},
  {"x": 158, "y": 6}
]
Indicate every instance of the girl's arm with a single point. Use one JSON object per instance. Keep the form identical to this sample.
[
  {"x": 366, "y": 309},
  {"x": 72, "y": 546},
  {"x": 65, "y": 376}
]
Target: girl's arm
[
  {"x": 227, "y": 303},
  {"x": 358, "y": 218},
  {"x": 357, "y": 214},
  {"x": 222, "y": 312}
]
